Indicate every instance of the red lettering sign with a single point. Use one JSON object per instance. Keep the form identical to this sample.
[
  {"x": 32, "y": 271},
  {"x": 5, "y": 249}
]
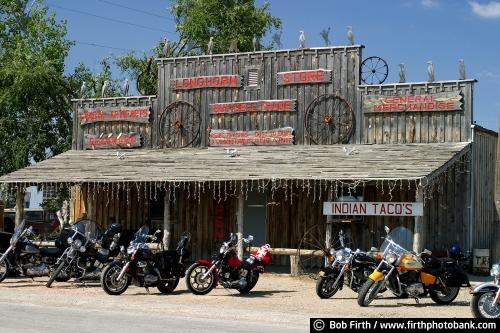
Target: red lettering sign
[
  {"x": 111, "y": 140},
  {"x": 137, "y": 114},
  {"x": 253, "y": 106},
  {"x": 279, "y": 136},
  {"x": 216, "y": 81},
  {"x": 445, "y": 101},
  {"x": 302, "y": 77}
]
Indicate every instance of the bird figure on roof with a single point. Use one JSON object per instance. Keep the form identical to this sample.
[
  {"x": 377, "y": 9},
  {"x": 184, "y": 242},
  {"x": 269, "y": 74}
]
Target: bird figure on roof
[
  {"x": 210, "y": 45},
  {"x": 119, "y": 155},
  {"x": 302, "y": 39},
  {"x": 324, "y": 34},
  {"x": 233, "y": 46},
  {"x": 402, "y": 74},
  {"x": 125, "y": 88},
  {"x": 277, "y": 39},
  {"x": 430, "y": 71},
  {"x": 350, "y": 35},
  {"x": 232, "y": 152},
  {"x": 104, "y": 88},
  {"x": 83, "y": 90},
  {"x": 461, "y": 69},
  {"x": 255, "y": 43},
  {"x": 166, "y": 47}
]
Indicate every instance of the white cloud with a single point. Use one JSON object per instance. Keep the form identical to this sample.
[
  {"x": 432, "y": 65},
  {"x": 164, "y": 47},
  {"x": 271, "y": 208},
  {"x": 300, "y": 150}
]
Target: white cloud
[
  {"x": 489, "y": 10},
  {"x": 429, "y": 3}
]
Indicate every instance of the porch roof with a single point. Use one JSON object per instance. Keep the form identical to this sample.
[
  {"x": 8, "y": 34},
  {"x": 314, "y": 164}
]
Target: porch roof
[{"x": 334, "y": 162}]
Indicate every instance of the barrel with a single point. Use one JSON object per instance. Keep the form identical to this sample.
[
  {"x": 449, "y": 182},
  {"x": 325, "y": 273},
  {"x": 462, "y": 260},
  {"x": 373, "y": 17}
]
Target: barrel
[{"x": 481, "y": 261}]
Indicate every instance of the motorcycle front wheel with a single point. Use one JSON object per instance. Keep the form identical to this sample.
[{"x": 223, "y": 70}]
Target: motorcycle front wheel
[
  {"x": 250, "y": 284},
  {"x": 4, "y": 269},
  {"x": 109, "y": 282},
  {"x": 369, "y": 291},
  {"x": 444, "y": 296},
  {"x": 54, "y": 274},
  {"x": 326, "y": 286},
  {"x": 481, "y": 305},
  {"x": 168, "y": 286},
  {"x": 195, "y": 281}
]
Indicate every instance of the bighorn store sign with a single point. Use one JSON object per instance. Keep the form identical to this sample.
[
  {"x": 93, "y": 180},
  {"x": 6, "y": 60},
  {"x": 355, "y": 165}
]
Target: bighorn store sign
[{"x": 374, "y": 208}]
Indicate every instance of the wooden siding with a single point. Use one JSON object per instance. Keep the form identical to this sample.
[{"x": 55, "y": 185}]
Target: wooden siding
[
  {"x": 484, "y": 165},
  {"x": 115, "y": 127},
  {"x": 342, "y": 61},
  {"x": 414, "y": 126}
]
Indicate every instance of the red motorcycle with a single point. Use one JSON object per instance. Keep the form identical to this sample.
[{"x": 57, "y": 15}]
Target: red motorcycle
[{"x": 227, "y": 269}]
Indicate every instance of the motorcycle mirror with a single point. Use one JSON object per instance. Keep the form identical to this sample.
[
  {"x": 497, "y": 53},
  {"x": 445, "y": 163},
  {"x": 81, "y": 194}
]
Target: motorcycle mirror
[
  {"x": 250, "y": 238},
  {"x": 387, "y": 230}
]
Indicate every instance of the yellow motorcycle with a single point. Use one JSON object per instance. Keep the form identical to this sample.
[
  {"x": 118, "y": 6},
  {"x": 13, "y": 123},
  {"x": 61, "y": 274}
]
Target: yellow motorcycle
[{"x": 408, "y": 274}]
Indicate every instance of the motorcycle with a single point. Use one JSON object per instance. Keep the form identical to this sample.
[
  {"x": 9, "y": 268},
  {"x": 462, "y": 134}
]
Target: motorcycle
[
  {"x": 138, "y": 264},
  {"x": 227, "y": 269},
  {"x": 409, "y": 274},
  {"x": 349, "y": 267},
  {"x": 485, "y": 302},
  {"x": 89, "y": 250},
  {"x": 23, "y": 257}
]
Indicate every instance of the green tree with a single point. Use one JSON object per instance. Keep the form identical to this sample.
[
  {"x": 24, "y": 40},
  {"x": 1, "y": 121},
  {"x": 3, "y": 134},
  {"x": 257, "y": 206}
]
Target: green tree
[
  {"x": 231, "y": 23},
  {"x": 35, "y": 109}
]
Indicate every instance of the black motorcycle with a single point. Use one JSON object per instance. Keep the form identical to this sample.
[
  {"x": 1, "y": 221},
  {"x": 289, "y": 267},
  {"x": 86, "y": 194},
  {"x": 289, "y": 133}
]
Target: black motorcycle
[
  {"x": 345, "y": 266},
  {"x": 89, "y": 250},
  {"x": 23, "y": 257},
  {"x": 140, "y": 265}
]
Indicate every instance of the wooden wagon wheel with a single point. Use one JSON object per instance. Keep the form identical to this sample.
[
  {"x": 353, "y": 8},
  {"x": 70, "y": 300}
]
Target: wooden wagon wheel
[
  {"x": 374, "y": 70},
  {"x": 179, "y": 125},
  {"x": 312, "y": 251},
  {"x": 329, "y": 120}
]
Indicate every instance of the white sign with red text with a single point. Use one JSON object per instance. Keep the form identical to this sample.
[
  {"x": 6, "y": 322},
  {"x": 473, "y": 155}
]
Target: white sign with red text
[{"x": 374, "y": 208}]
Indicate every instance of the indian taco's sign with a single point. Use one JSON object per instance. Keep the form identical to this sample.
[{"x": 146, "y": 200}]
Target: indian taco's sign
[
  {"x": 445, "y": 101},
  {"x": 374, "y": 208},
  {"x": 135, "y": 114}
]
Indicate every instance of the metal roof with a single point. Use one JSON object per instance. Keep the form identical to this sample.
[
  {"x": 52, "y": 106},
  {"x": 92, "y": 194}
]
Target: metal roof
[{"x": 333, "y": 162}]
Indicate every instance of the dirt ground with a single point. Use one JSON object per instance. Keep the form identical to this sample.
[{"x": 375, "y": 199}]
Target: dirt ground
[{"x": 282, "y": 297}]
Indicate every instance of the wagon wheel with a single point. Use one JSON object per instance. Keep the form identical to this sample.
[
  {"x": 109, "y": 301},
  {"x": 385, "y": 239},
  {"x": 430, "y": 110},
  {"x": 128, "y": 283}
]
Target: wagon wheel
[
  {"x": 312, "y": 251},
  {"x": 374, "y": 70},
  {"x": 329, "y": 120},
  {"x": 147, "y": 80},
  {"x": 179, "y": 125}
]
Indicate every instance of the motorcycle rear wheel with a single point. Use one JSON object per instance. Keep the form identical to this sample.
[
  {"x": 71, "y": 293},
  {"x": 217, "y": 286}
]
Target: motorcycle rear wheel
[
  {"x": 326, "y": 287},
  {"x": 440, "y": 297},
  {"x": 369, "y": 291},
  {"x": 54, "y": 274},
  {"x": 4, "y": 269},
  {"x": 194, "y": 281},
  {"x": 168, "y": 286},
  {"x": 480, "y": 305},
  {"x": 250, "y": 284},
  {"x": 110, "y": 284}
]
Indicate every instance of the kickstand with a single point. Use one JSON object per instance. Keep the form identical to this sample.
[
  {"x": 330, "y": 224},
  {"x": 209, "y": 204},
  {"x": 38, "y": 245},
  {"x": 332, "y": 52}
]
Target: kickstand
[{"x": 417, "y": 300}]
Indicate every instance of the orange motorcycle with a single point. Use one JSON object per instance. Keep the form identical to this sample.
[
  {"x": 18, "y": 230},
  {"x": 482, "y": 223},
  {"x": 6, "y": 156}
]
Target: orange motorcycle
[{"x": 408, "y": 274}]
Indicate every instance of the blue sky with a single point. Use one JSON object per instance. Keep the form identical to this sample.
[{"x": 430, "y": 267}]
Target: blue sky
[{"x": 398, "y": 31}]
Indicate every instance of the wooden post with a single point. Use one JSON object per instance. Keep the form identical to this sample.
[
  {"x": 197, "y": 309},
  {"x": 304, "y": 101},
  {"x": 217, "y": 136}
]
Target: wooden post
[
  {"x": 167, "y": 223},
  {"x": 19, "y": 205},
  {"x": 294, "y": 265},
  {"x": 239, "y": 223},
  {"x": 419, "y": 229}
]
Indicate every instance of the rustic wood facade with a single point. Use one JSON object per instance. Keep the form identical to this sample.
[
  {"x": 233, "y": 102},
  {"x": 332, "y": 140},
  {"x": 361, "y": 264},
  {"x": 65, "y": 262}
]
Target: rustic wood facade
[{"x": 293, "y": 127}]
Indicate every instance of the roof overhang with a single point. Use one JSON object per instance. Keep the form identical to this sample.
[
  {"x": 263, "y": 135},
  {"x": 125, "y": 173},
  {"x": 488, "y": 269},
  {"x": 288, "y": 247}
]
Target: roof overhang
[{"x": 363, "y": 162}]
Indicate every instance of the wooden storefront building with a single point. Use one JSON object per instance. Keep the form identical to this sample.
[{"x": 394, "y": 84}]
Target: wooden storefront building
[{"x": 281, "y": 144}]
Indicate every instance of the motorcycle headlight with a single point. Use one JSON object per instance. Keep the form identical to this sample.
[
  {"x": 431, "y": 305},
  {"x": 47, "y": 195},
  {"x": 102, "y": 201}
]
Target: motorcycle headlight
[
  {"x": 495, "y": 270},
  {"x": 339, "y": 255},
  {"x": 130, "y": 249},
  {"x": 82, "y": 249},
  {"x": 76, "y": 243},
  {"x": 391, "y": 258},
  {"x": 69, "y": 240}
]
